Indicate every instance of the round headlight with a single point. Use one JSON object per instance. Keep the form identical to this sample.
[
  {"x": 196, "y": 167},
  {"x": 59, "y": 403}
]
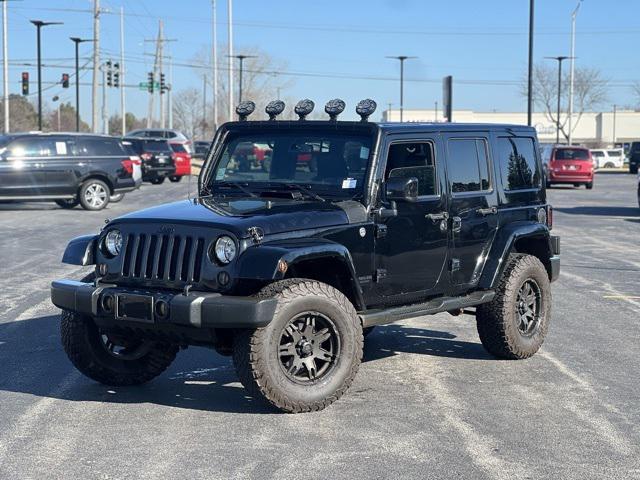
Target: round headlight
[
  {"x": 225, "y": 249},
  {"x": 113, "y": 242}
]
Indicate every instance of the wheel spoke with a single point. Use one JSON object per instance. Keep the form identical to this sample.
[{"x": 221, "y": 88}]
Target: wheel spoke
[
  {"x": 310, "y": 365},
  {"x": 324, "y": 355},
  {"x": 322, "y": 336},
  {"x": 287, "y": 350}
]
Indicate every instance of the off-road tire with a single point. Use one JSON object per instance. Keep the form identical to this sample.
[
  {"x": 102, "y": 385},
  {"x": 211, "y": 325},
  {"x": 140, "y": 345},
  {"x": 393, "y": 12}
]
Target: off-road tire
[
  {"x": 255, "y": 351},
  {"x": 90, "y": 184},
  {"x": 80, "y": 337},
  {"x": 68, "y": 203},
  {"x": 497, "y": 321},
  {"x": 589, "y": 185}
]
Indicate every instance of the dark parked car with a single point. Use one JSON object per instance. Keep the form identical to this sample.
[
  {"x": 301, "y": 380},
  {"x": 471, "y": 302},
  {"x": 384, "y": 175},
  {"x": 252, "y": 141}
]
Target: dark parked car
[
  {"x": 67, "y": 168},
  {"x": 634, "y": 157},
  {"x": 286, "y": 269},
  {"x": 157, "y": 158},
  {"x": 200, "y": 149}
]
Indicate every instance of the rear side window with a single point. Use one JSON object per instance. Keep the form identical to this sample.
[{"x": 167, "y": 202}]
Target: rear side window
[
  {"x": 517, "y": 161},
  {"x": 96, "y": 147},
  {"x": 467, "y": 166},
  {"x": 572, "y": 154}
]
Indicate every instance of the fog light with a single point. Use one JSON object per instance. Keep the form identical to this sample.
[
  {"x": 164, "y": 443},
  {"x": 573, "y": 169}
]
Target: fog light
[
  {"x": 162, "y": 309},
  {"x": 223, "y": 278},
  {"x": 107, "y": 303},
  {"x": 103, "y": 269}
]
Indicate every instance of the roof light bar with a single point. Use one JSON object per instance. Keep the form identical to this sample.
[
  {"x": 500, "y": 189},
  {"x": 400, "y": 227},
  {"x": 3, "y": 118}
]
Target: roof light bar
[
  {"x": 365, "y": 108},
  {"x": 244, "y": 109},
  {"x": 334, "y": 108},
  {"x": 304, "y": 108},
  {"x": 274, "y": 108}
]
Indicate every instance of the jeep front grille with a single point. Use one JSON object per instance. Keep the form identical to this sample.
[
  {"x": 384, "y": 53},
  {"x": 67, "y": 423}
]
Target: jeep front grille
[{"x": 163, "y": 257}]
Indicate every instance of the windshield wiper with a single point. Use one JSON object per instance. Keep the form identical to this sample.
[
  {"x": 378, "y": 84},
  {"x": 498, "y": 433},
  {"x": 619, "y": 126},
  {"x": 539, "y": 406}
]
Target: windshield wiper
[
  {"x": 236, "y": 185},
  {"x": 305, "y": 190}
]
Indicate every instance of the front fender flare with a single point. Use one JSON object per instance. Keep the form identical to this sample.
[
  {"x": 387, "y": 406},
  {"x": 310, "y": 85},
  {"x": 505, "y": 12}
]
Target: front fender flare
[
  {"x": 260, "y": 262},
  {"x": 80, "y": 250},
  {"x": 503, "y": 245}
]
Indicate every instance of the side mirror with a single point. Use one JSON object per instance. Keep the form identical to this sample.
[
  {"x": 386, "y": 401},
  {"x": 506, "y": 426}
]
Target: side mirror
[{"x": 402, "y": 189}]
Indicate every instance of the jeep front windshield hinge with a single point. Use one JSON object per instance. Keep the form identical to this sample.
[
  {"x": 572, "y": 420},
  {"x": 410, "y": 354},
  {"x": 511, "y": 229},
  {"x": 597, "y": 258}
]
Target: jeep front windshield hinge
[
  {"x": 381, "y": 230},
  {"x": 487, "y": 211}
]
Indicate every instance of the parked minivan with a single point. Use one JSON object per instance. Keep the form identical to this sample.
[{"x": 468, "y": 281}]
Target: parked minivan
[
  {"x": 67, "y": 168},
  {"x": 570, "y": 165}
]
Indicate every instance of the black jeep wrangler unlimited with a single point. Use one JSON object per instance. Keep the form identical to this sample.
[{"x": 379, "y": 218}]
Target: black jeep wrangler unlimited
[{"x": 287, "y": 268}]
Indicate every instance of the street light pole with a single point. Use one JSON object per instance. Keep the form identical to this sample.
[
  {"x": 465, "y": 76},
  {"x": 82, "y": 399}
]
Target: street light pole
[
  {"x": 77, "y": 41},
  {"x": 559, "y": 59},
  {"x": 39, "y": 24},
  {"x": 573, "y": 53},
  {"x": 530, "y": 72},
  {"x": 241, "y": 58},
  {"x": 402, "y": 58},
  {"x": 230, "y": 41},
  {"x": 5, "y": 66}
]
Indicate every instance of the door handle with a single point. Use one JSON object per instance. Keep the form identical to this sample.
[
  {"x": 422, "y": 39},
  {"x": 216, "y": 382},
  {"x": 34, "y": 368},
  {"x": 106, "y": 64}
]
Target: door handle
[
  {"x": 437, "y": 217},
  {"x": 487, "y": 211}
]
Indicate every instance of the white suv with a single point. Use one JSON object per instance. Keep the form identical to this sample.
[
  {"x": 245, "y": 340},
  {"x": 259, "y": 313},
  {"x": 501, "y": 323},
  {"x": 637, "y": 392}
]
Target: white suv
[{"x": 609, "y": 158}]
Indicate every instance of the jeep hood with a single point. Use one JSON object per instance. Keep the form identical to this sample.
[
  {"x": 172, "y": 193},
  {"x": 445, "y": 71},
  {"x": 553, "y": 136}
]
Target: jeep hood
[{"x": 239, "y": 214}]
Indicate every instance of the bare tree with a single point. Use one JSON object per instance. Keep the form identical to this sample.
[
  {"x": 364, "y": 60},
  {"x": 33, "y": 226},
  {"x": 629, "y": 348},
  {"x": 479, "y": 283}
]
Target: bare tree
[
  {"x": 590, "y": 91},
  {"x": 261, "y": 82},
  {"x": 187, "y": 113},
  {"x": 635, "y": 88}
]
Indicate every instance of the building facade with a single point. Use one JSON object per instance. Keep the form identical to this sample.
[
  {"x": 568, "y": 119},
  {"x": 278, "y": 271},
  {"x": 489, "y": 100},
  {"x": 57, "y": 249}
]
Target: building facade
[{"x": 591, "y": 129}]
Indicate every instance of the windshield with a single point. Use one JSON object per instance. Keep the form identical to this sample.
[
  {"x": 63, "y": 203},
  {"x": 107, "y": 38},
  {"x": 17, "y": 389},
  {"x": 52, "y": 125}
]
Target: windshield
[
  {"x": 178, "y": 148},
  {"x": 325, "y": 163},
  {"x": 571, "y": 154}
]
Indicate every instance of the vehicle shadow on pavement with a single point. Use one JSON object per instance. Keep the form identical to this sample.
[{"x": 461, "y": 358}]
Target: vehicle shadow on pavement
[
  {"x": 33, "y": 362},
  {"x": 600, "y": 211},
  {"x": 390, "y": 340}
]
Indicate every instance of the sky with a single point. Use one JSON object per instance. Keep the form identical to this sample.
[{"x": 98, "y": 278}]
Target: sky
[{"x": 336, "y": 48}]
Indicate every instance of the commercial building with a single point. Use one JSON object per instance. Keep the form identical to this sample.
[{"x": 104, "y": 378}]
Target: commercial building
[{"x": 591, "y": 129}]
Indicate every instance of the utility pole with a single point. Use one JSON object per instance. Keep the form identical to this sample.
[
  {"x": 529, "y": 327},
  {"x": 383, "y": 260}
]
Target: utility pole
[
  {"x": 214, "y": 56},
  {"x": 230, "y": 41},
  {"x": 204, "y": 104},
  {"x": 402, "y": 58},
  {"x": 436, "y": 112},
  {"x": 571, "y": 67},
  {"x": 122, "y": 92},
  {"x": 389, "y": 111},
  {"x": 96, "y": 66},
  {"x": 530, "y": 70},
  {"x": 559, "y": 60},
  {"x": 5, "y": 66},
  {"x": 170, "y": 92},
  {"x": 160, "y": 52},
  {"x": 155, "y": 75}
]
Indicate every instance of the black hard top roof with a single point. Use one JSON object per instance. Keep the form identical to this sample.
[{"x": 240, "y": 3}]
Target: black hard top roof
[{"x": 384, "y": 127}]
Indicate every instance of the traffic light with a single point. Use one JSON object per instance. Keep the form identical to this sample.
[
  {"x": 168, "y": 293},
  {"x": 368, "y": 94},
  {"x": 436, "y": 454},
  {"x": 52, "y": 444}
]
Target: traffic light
[
  {"x": 65, "y": 80},
  {"x": 109, "y": 78},
  {"x": 116, "y": 74},
  {"x": 25, "y": 83},
  {"x": 150, "y": 82},
  {"x": 163, "y": 87}
]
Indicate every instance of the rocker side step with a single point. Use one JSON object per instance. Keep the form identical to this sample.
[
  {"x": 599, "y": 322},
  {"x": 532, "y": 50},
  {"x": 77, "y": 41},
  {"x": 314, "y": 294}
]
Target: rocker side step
[{"x": 443, "y": 304}]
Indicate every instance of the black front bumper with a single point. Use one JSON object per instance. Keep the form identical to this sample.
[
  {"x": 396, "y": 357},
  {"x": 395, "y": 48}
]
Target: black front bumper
[{"x": 197, "y": 309}]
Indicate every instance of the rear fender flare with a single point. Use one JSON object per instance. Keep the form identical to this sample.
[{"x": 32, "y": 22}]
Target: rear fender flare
[{"x": 504, "y": 244}]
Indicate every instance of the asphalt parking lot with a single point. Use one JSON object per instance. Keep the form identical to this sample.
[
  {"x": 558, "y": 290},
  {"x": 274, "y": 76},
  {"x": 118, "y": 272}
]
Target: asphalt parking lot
[{"x": 428, "y": 401}]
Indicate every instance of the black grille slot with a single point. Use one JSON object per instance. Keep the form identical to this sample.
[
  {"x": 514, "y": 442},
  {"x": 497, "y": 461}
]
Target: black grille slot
[{"x": 163, "y": 257}]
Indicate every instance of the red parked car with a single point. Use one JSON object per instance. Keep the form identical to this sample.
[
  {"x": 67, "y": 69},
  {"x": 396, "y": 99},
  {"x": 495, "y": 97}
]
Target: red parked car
[
  {"x": 182, "y": 159},
  {"x": 570, "y": 165}
]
